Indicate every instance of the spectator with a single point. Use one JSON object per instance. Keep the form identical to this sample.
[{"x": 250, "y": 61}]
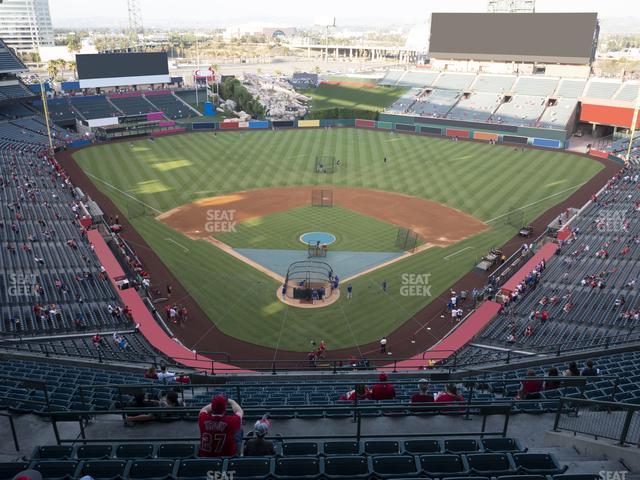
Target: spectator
[
  {"x": 450, "y": 394},
  {"x": 167, "y": 376},
  {"x": 383, "y": 390},
  {"x": 151, "y": 373},
  {"x": 172, "y": 400},
  {"x": 140, "y": 401},
  {"x": 217, "y": 429},
  {"x": 552, "y": 384},
  {"x": 258, "y": 446},
  {"x": 530, "y": 388},
  {"x": 589, "y": 371},
  {"x": 361, "y": 392},
  {"x": 572, "y": 370},
  {"x": 423, "y": 395}
]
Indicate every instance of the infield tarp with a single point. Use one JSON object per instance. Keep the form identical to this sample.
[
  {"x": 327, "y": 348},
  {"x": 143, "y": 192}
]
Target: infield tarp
[{"x": 344, "y": 264}]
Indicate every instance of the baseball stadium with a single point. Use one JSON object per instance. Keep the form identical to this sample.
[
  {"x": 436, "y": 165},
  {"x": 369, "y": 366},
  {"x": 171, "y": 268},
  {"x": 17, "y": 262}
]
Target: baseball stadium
[{"x": 465, "y": 222}]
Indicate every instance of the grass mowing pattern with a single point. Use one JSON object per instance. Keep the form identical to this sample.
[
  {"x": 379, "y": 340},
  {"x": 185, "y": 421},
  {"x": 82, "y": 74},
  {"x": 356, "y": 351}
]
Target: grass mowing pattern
[
  {"x": 353, "y": 231},
  {"x": 483, "y": 180},
  {"x": 349, "y": 96}
]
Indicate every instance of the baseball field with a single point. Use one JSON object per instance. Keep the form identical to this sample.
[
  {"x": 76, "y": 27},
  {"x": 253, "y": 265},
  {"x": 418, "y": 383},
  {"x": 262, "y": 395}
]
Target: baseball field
[{"x": 459, "y": 196}]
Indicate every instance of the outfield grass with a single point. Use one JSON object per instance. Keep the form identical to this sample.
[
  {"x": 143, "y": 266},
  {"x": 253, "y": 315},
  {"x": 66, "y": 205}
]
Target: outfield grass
[
  {"x": 353, "y": 231},
  {"x": 346, "y": 96},
  {"x": 486, "y": 181}
]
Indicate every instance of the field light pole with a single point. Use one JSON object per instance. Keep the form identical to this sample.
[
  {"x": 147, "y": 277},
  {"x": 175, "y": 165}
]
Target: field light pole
[{"x": 43, "y": 95}]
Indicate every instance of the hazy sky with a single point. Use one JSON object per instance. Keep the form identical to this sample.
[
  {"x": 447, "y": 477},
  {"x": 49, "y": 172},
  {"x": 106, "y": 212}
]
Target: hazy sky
[{"x": 301, "y": 12}]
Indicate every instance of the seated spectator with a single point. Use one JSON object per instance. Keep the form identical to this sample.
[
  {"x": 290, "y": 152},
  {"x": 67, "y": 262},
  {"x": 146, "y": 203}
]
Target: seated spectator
[
  {"x": 530, "y": 388},
  {"x": 97, "y": 339},
  {"x": 172, "y": 400},
  {"x": 450, "y": 394},
  {"x": 218, "y": 431},
  {"x": 423, "y": 395},
  {"x": 589, "y": 370},
  {"x": 383, "y": 390},
  {"x": 257, "y": 445},
  {"x": 166, "y": 376},
  {"x": 151, "y": 373},
  {"x": 361, "y": 392},
  {"x": 552, "y": 384},
  {"x": 572, "y": 370},
  {"x": 140, "y": 401}
]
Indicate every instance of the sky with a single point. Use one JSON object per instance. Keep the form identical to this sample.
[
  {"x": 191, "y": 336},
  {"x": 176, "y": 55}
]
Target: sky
[{"x": 298, "y": 12}]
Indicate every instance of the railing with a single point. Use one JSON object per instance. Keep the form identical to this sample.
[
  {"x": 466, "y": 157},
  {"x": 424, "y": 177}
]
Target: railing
[
  {"x": 13, "y": 430},
  {"x": 611, "y": 420},
  {"x": 356, "y": 412},
  {"x": 508, "y": 356}
]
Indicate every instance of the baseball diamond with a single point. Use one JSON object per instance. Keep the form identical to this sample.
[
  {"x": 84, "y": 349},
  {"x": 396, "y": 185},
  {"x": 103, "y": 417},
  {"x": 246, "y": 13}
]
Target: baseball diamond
[{"x": 215, "y": 195}]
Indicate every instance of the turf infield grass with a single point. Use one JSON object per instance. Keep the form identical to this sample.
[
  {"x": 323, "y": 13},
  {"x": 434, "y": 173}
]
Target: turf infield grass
[{"x": 483, "y": 180}]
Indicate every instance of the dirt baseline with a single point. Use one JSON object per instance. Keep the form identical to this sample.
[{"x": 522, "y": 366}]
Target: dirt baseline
[{"x": 435, "y": 223}]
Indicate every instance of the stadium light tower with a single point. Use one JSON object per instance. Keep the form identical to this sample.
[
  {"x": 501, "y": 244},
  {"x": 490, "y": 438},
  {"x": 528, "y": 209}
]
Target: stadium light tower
[
  {"x": 511, "y": 6},
  {"x": 135, "y": 23}
]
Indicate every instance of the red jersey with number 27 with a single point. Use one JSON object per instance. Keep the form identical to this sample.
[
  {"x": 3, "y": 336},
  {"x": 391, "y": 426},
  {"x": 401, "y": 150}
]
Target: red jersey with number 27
[{"x": 217, "y": 434}]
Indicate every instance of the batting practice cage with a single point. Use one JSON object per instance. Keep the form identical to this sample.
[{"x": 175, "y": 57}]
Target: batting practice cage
[
  {"x": 321, "y": 198},
  {"x": 406, "y": 239},
  {"x": 326, "y": 164},
  {"x": 309, "y": 280}
]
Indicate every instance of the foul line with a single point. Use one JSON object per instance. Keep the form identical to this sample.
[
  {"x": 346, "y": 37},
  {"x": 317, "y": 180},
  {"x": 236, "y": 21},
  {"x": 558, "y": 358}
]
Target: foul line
[
  {"x": 178, "y": 244},
  {"x": 456, "y": 253},
  {"x": 124, "y": 193},
  {"x": 537, "y": 201}
]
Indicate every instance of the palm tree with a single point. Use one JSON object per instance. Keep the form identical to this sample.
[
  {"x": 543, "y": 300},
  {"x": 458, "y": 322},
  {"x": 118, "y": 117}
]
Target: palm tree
[
  {"x": 53, "y": 68},
  {"x": 72, "y": 66}
]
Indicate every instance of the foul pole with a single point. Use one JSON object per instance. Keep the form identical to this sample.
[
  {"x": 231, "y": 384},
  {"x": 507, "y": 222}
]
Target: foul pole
[{"x": 43, "y": 95}]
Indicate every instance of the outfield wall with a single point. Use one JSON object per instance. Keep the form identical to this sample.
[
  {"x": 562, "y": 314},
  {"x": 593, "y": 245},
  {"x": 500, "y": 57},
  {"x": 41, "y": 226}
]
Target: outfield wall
[{"x": 538, "y": 137}]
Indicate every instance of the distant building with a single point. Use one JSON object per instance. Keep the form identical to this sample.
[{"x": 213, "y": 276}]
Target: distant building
[{"x": 25, "y": 25}]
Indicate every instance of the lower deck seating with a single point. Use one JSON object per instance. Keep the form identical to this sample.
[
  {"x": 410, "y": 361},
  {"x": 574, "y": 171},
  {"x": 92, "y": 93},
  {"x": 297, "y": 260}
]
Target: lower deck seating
[{"x": 179, "y": 461}]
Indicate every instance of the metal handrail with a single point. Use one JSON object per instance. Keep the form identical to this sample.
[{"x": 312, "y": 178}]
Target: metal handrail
[{"x": 605, "y": 429}]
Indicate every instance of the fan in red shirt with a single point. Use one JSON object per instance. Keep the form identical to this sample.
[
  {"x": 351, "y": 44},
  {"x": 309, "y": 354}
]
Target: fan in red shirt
[
  {"x": 383, "y": 390},
  {"x": 423, "y": 395},
  {"x": 450, "y": 394},
  {"x": 217, "y": 429},
  {"x": 530, "y": 388}
]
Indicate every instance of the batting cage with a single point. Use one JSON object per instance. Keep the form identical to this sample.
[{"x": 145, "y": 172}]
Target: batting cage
[
  {"x": 326, "y": 164},
  {"x": 309, "y": 280},
  {"x": 321, "y": 198},
  {"x": 515, "y": 217},
  {"x": 406, "y": 239},
  {"x": 136, "y": 209}
]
